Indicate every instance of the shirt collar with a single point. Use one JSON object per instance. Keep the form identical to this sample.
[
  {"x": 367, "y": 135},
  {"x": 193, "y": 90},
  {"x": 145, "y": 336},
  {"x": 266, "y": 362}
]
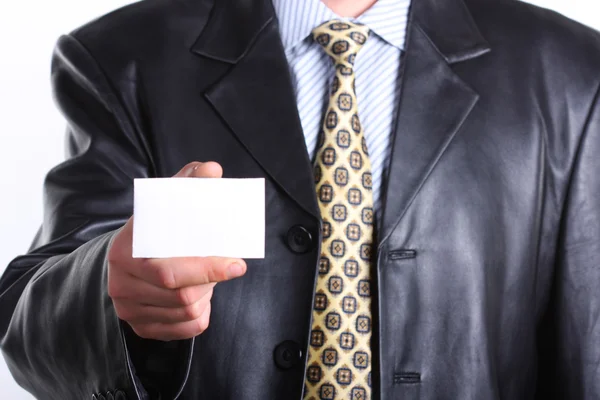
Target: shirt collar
[{"x": 297, "y": 18}]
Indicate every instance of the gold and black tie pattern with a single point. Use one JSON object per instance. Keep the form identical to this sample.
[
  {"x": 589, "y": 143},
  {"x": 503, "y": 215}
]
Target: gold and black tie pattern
[{"x": 339, "y": 357}]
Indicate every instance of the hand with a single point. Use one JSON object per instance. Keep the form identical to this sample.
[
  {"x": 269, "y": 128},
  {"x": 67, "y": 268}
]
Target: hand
[{"x": 167, "y": 299}]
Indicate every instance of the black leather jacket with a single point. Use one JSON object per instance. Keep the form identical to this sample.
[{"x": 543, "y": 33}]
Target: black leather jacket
[{"x": 488, "y": 263}]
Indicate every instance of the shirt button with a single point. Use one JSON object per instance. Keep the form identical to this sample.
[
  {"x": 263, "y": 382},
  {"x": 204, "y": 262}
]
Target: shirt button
[
  {"x": 287, "y": 354},
  {"x": 299, "y": 239}
]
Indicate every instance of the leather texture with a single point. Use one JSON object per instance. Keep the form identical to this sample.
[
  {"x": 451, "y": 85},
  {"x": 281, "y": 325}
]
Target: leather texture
[{"x": 488, "y": 262}]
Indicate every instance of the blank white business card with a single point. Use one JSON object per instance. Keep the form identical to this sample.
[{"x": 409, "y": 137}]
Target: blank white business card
[{"x": 199, "y": 217}]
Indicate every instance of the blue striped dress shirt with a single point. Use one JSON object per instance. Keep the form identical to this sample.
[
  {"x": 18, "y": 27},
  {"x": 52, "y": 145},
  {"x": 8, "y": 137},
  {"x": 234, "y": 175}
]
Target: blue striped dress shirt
[{"x": 377, "y": 70}]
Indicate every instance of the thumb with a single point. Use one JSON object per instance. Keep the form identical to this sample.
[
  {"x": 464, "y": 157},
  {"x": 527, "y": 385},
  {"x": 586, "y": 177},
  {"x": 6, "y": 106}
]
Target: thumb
[{"x": 197, "y": 169}]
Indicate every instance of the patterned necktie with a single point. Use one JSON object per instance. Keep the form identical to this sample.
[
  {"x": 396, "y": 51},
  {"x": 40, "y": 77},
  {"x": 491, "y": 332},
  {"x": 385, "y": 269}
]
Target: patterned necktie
[{"x": 339, "y": 359}]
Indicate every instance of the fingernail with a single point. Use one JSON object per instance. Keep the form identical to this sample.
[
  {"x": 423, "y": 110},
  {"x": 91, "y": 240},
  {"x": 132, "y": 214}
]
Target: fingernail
[
  {"x": 235, "y": 270},
  {"x": 191, "y": 170}
]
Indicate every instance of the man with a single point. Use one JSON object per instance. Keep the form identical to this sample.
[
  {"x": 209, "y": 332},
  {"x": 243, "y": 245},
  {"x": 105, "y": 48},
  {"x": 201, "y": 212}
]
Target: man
[{"x": 438, "y": 240}]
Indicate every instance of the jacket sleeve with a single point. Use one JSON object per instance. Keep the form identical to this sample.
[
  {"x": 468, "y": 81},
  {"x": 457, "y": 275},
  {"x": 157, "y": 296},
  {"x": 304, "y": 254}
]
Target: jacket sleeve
[
  {"x": 570, "y": 335},
  {"x": 59, "y": 332}
]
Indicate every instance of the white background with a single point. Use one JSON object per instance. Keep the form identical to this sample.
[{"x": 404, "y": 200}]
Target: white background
[{"x": 31, "y": 130}]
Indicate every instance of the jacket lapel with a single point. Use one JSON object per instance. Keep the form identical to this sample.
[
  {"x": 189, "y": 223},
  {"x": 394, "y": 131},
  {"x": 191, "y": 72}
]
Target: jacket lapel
[
  {"x": 255, "y": 97},
  {"x": 434, "y": 100}
]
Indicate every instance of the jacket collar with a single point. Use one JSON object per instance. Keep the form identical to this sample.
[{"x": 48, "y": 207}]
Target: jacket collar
[
  {"x": 233, "y": 27},
  {"x": 447, "y": 23},
  {"x": 451, "y": 28}
]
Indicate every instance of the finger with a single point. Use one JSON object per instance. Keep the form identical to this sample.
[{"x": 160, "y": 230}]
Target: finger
[
  {"x": 182, "y": 272},
  {"x": 198, "y": 169},
  {"x": 133, "y": 312},
  {"x": 176, "y": 331},
  {"x": 205, "y": 317},
  {"x": 128, "y": 288}
]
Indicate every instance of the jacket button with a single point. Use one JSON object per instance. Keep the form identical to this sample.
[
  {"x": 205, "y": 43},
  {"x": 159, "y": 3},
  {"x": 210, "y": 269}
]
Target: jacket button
[
  {"x": 299, "y": 239},
  {"x": 287, "y": 354}
]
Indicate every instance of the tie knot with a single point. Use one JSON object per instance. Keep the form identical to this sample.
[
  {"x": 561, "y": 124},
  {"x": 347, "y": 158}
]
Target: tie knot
[{"x": 341, "y": 40}]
